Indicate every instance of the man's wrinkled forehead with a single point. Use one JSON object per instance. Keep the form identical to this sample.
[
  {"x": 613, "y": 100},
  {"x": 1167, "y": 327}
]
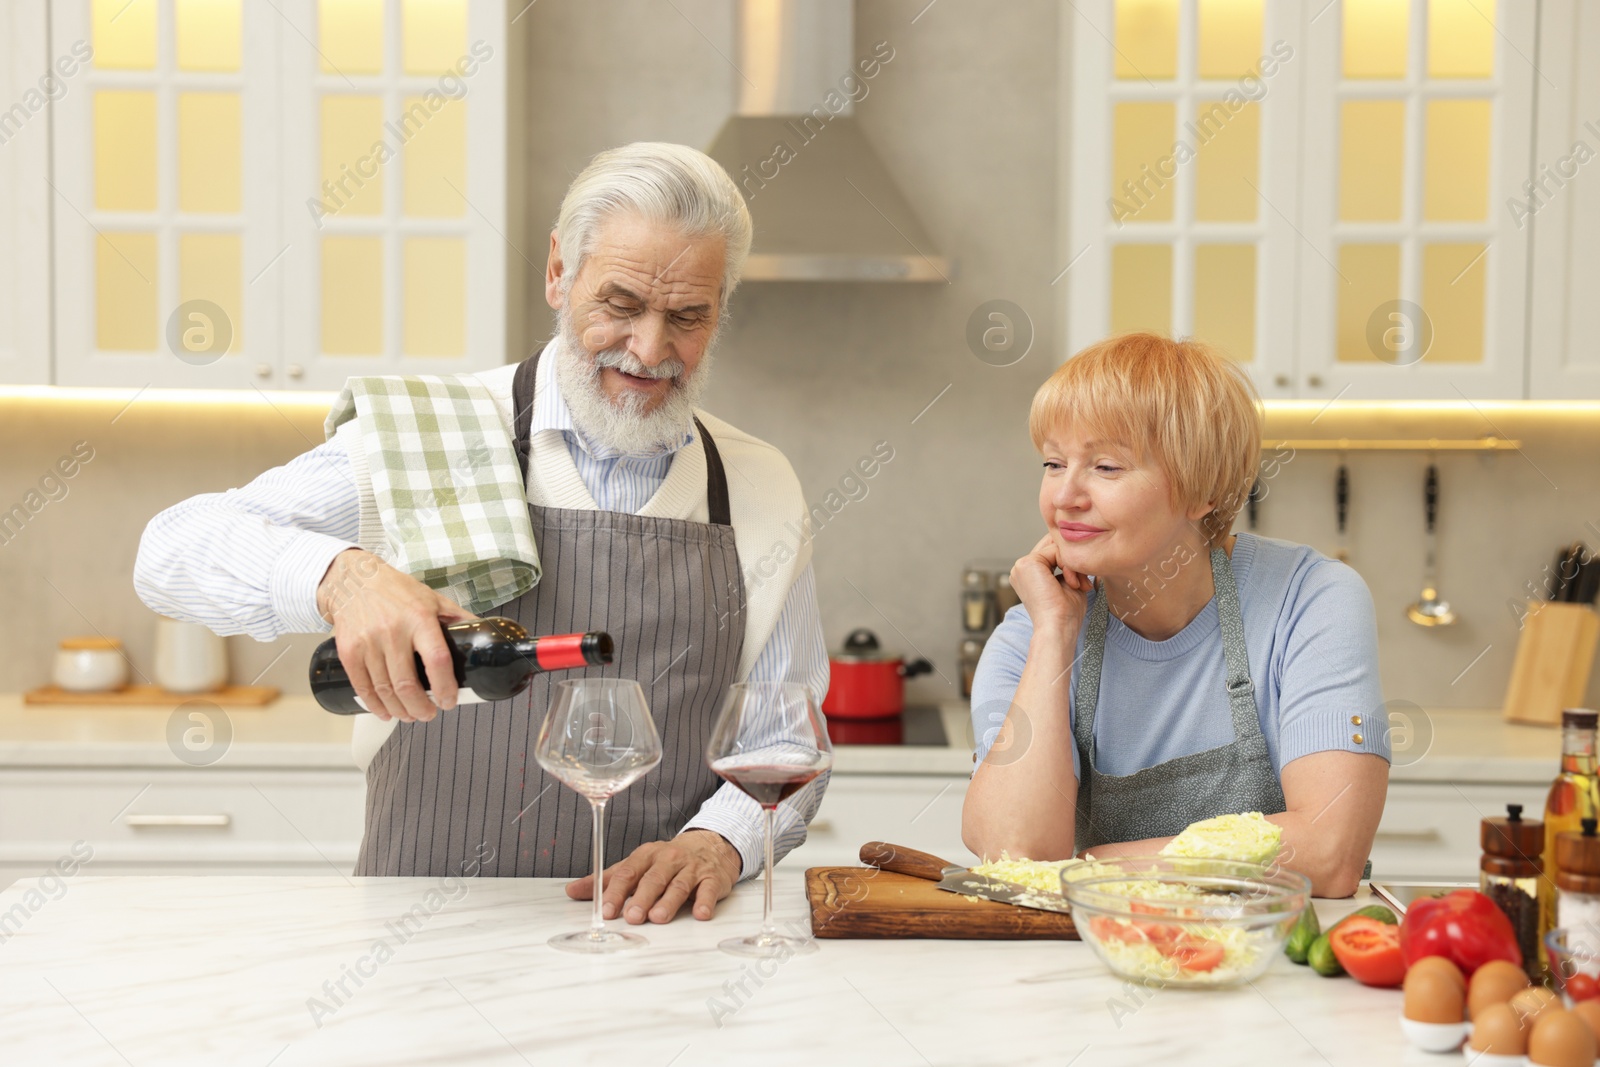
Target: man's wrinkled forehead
[{"x": 655, "y": 264}]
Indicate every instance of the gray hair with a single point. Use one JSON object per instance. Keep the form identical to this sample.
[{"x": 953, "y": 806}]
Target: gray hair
[{"x": 666, "y": 183}]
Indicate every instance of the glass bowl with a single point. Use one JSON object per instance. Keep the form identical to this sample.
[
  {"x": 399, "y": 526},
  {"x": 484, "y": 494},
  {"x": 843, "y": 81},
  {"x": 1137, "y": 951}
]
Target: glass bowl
[
  {"x": 1174, "y": 921},
  {"x": 1573, "y": 951}
]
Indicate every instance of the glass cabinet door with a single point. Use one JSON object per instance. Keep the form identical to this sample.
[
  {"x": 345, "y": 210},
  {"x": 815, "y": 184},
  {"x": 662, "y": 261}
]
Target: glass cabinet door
[
  {"x": 1419, "y": 285},
  {"x": 166, "y": 233},
  {"x": 1184, "y": 176},
  {"x": 397, "y": 256},
  {"x": 28, "y": 81}
]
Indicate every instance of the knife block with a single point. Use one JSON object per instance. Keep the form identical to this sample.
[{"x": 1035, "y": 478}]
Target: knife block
[{"x": 1554, "y": 657}]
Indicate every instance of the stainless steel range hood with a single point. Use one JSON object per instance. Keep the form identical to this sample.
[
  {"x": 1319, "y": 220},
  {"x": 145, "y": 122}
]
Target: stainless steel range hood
[{"x": 824, "y": 207}]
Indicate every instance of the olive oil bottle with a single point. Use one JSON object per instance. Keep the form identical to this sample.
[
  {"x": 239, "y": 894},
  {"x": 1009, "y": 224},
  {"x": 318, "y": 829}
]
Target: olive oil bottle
[{"x": 1574, "y": 796}]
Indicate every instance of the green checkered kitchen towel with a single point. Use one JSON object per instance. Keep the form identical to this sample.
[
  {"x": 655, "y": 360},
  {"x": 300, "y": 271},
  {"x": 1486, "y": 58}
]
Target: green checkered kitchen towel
[{"x": 447, "y": 485}]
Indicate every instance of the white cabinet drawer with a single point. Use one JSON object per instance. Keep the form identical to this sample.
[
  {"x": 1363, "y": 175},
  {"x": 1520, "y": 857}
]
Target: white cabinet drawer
[
  {"x": 918, "y": 811},
  {"x": 186, "y": 814},
  {"x": 1430, "y": 831}
]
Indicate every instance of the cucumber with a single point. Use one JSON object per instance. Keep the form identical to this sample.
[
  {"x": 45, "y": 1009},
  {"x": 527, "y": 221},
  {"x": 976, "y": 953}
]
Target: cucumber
[
  {"x": 1321, "y": 958},
  {"x": 1371, "y": 911},
  {"x": 1306, "y": 930}
]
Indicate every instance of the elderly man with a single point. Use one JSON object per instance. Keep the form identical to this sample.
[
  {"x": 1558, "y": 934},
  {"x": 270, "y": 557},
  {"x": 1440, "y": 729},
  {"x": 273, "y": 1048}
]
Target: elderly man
[{"x": 642, "y": 509}]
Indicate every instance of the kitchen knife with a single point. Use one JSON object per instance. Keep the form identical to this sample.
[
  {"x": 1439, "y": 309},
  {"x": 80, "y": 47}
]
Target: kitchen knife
[
  {"x": 1552, "y": 587},
  {"x": 1572, "y": 575},
  {"x": 1589, "y": 581},
  {"x": 953, "y": 879}
]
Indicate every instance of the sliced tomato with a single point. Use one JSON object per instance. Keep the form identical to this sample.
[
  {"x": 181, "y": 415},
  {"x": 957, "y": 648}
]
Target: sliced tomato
[
  {"x": 1106, "y": 928},
  {"x": 1195, "y": 953},
  {"x": 1369, "y": 951}
]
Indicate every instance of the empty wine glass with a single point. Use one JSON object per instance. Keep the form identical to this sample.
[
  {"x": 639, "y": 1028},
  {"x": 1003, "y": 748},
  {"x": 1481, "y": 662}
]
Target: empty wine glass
[
  {"x": 769, "y": 740},
  {"x": 598, "y": 738}
]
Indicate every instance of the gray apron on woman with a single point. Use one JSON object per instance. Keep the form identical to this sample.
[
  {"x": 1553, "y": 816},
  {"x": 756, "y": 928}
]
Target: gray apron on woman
[
  {"x": 1160, "y": 801},
  {"x": 441, "y": 795}
]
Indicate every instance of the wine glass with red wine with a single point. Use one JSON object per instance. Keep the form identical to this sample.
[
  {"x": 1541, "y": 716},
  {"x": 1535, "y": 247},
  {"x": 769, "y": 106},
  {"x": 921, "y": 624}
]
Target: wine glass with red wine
[
  {"x": 598, "y": 739},
  {"x": 769, "y": 741}
]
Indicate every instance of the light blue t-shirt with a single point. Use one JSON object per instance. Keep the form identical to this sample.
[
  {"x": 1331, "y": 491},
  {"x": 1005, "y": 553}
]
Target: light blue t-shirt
[{"x": 1312, "y": 639}]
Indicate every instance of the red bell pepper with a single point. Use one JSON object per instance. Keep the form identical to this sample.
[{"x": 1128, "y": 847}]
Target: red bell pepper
[{"x": 1464, "y": 927}]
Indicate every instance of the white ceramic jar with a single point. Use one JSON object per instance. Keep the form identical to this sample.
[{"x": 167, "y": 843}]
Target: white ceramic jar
[
  {"x": 189, "y": 657},
  {"x": 90, "y": 665}
]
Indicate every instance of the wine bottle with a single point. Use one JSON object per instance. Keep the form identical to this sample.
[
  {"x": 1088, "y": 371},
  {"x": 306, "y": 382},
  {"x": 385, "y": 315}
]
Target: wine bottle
[{"x": 494, "y": 659}]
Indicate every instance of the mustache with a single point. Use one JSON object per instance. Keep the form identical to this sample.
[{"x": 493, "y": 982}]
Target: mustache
[{"x": 621, "y": 359}]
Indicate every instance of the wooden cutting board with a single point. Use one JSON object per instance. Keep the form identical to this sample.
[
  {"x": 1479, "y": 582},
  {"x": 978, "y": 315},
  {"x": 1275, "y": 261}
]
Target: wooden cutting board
[{"x": 865, "y": 902}]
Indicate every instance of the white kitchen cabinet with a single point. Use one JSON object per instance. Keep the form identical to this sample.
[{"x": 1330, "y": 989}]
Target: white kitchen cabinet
[
  {"x": 278, "y": 196},
  {"x": 1563, "y": 210},
  {"x": 915, "y": 810},
  {"x": 1321, "y": 191},
  {"x": 1430, "y": 829},
  {"x": 27, "y": 81},
  {"x": 159, "y": 821}
]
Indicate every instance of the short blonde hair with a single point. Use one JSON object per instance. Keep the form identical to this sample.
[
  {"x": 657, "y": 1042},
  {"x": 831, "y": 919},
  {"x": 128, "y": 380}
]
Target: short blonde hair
[{"x": 1179, "y": 403}]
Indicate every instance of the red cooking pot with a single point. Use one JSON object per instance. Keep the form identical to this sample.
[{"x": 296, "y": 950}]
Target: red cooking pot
[{"x": 864, "y": 683}]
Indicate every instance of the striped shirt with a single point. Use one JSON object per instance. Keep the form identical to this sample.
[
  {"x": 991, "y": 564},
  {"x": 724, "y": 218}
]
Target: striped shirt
[{"x": 249, "y": 561}]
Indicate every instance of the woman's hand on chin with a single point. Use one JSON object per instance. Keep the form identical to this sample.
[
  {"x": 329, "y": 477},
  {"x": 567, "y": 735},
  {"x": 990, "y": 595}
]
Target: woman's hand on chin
[{"x": 1054, "y": 601}]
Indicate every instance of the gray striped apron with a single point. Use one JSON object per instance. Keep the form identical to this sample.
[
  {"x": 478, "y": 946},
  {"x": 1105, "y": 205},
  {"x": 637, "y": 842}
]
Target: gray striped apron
[
  {"x": 1160, "y": 801},
  {"x": 443, "y": 794}
]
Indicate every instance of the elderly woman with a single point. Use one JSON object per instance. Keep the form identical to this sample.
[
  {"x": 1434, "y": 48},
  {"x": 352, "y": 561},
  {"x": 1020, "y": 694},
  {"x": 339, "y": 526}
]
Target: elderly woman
[{"x": 1159, "y": 669}]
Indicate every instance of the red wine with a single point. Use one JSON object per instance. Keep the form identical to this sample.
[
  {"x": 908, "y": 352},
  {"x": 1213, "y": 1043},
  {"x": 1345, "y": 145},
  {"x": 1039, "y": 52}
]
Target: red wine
[
  {"x": 768, "y": 784},
  {"x": 494, "y": 659}
]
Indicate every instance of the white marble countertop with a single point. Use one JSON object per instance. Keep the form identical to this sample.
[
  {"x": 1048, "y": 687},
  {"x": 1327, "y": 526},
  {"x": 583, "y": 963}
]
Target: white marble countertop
[
  {"x": 227, "y": 970},
  {"x": 1447, "y": 745}
]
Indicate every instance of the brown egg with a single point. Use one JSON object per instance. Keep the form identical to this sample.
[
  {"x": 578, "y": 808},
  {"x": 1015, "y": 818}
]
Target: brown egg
[
  {"x": 1589, "y": 1012},
  {"x": 1532, "y": 1003},
  {"x": 1443, "y": 965},
  {"x": 1498, "y": 1030},
  {"x": 1561, "y": 1039},
  {"x": 1433, "y": 992},
  {"x": 1495, "y": 982}
]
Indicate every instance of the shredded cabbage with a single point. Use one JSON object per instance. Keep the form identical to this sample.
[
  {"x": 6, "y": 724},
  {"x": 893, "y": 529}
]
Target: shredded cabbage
[
  {"x": 1044, "y": 876},
  {"x": 1248, "y": 837},
  {"x": 1145, "y": 960}
]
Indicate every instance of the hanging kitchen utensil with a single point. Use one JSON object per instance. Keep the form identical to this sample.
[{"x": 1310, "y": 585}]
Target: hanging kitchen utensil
[
  {"x": 1341, "y": 505},
  {"x": 1431, "y": 609},
  {"x": 953, "y": 879},
  {"x": 1253, "y": 502}
]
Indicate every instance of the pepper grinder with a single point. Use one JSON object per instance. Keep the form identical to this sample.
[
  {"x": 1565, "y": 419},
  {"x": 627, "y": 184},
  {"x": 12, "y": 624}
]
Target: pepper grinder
[{"x": 1509, "y": 875}]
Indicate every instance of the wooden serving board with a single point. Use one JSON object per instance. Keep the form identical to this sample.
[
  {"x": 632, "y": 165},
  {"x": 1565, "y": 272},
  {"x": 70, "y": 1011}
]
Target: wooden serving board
[
  {"x": 865, "y": 902},
  {"x": 141, "y": 695}
]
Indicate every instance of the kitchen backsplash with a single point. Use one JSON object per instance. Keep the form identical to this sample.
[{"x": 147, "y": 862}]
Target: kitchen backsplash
[
  {"x": 967, "y": 121},
  {"x": 960, "y": 485}
]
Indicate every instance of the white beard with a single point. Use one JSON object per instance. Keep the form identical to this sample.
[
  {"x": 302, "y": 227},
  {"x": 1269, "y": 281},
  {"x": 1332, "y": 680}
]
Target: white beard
[{"x": 622, "y": 425}]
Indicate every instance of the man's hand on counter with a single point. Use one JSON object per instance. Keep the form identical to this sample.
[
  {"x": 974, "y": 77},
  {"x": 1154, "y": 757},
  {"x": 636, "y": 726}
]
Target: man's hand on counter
[
  {"x": 657, "y": 878},
  {"x": 380, "y": 616}
]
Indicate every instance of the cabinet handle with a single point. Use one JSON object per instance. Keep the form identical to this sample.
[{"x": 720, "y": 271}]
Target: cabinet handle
[
  {"x": 263, "y": 370},
  {"x": 218, "y": 821},
  {"x": 1281, "y": 381},
  {"x": 1410, "y": 837},
  {"x": 820, "y": 826},
  {"x": 1315, "y": 381},
  {"x": 294, "y": 370}
]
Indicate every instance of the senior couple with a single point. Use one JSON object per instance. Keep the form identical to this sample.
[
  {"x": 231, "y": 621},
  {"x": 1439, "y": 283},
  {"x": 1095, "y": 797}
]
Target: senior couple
[{"x": 1158, "y": 670}]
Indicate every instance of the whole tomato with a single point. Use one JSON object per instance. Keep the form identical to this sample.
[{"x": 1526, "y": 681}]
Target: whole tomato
[{"x": 1464, "y": 927}]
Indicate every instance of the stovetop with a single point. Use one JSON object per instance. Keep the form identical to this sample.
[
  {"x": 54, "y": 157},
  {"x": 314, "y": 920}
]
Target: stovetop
[{"x": 917, "y": 725}]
